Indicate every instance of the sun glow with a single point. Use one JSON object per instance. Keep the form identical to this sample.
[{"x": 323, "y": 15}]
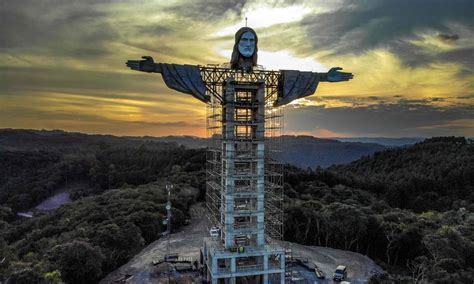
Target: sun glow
[{"x": 266, "y": 16}]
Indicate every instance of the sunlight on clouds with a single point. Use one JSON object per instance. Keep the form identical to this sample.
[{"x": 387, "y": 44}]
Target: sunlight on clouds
[
  {"x": 380, "y": 73},
  {"x": 120, "y": 110},
  {"x": 114, "y": 109},
  {"x": 436, "y": 42},
  {"x": 431, "y": 42},
  {"x": 458, "y": 123},
  {"x": 321, "y": 133},
  {"x": 72, "y": 76},
  {"x": 286, "y": 61},
  {"x": 314, "y": 101},
  {"x": 263, "y": 16}
]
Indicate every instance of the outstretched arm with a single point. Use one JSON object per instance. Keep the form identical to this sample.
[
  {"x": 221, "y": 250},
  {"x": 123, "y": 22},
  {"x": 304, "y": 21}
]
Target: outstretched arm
[
  {"x": 296, "y": 84},
  {"x": 146, "y": 65},
  {"x": 334, "y": 75}
]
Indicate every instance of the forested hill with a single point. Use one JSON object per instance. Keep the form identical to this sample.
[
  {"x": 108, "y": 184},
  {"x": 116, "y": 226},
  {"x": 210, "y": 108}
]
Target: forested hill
[
  {"x": 309, "y": 151},
  {"x": 69, "y": 142},
  {"x": 300, "y": 151},
  {"x": 118, "y": 201},
  {"x": 410, "y": 209},
  {"x": 436, "y": 174},
  {"x": 37, "y": 164},
  {"x": 118, "y": 196}
]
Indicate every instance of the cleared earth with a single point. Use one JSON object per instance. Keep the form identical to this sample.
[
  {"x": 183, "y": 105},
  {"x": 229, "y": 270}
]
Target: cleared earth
[{"x": 186, "y": 243}]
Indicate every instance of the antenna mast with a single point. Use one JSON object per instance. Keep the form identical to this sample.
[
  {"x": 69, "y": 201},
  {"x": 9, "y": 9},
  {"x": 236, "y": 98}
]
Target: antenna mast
[{"x": 169, "y": 186}]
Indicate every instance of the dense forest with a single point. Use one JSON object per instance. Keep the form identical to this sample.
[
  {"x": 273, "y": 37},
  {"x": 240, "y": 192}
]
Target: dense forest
[
  {"x": 436, "y": 174},
  {"x": 118, "y": 192},
  {"x": 85, "y": 165},
  {"x": 410, "y": 209}
]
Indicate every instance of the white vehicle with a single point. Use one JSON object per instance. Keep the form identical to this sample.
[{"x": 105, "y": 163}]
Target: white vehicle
[
  {"x": 340, "y": 273},
  {"x": 215, "y": 232}
]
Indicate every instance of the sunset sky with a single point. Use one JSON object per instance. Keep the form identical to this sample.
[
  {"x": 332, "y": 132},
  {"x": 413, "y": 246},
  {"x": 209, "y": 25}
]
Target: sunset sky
[{"x": 62, "y": 63}]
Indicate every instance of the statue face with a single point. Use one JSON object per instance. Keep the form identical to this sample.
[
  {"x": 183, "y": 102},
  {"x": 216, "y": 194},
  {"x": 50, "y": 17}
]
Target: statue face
[{"x": 247, "y": 44}]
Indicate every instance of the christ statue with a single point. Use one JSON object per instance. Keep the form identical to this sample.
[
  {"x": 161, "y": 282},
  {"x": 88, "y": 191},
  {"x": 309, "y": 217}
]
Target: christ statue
[
  {"x": 188, "y": 79},
  {"x": 244, "y": 181}
]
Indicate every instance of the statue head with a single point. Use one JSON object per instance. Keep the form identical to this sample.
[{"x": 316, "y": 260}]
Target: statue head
[{"x": 244, "y": 54}]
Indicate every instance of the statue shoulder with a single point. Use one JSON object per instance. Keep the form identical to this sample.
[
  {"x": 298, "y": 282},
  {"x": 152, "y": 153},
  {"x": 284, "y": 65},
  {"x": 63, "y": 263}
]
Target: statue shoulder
[{"x": 225, "y": 65}]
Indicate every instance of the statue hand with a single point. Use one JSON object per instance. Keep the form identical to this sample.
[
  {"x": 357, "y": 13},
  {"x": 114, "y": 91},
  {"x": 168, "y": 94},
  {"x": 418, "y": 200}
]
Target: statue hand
[
  {"x": 147, "y": 65},
  {"x": 336, "y": 76}
]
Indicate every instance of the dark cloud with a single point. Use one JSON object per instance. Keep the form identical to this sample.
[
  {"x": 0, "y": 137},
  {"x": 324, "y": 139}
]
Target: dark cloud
[
  {"x": 413, "y": 55},
  {"x": 359, "y": 26},
  {"x": 153, "y": 30},
  {"x": 71, "y": 28},
  {"x": 205, "y": 10},
  {"x": 448, "y": 37},
  {"x": 63, "y": 79},
  {"x": 463, "y": 55},
  {"x": 409, "y": 118}
]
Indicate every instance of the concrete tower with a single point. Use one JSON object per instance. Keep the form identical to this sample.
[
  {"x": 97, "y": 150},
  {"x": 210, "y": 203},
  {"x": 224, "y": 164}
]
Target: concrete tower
[{"x": 236, "y": 188}]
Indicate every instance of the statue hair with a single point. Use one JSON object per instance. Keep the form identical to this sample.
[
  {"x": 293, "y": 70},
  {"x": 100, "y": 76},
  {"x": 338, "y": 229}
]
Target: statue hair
[{"x": 237, "y": 61}]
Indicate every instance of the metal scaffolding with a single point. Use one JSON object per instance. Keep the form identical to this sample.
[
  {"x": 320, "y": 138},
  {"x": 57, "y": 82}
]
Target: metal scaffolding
[
  {"x": 273, "y": 168},
  {"x": 244, "y": 187},
  {"x": 215, "y": 79},
  {"x": 214, "y": 160}
]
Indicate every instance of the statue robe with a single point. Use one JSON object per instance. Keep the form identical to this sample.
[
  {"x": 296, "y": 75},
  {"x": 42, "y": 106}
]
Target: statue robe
[
  {"x": 292, "y": 85},
  {"x": 185, "y": 79},
  {"x": 296, "y": 84}
]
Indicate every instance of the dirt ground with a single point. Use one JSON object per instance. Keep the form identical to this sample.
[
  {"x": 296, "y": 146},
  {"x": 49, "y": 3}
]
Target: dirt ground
[
  {"x": 187, "y": 243},
  {"x": 359, "y": 267}
]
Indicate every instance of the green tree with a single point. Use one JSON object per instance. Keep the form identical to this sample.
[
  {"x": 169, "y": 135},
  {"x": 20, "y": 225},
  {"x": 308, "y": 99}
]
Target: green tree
[
  {"x": 25, "y": 276},
  {"x": 79, "y": 262},
  {"x": 53, "y": 277},
  {"x": 347, "y": 224}
]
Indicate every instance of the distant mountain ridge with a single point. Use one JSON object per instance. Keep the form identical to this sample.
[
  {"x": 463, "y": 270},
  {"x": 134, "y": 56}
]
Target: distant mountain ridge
[
  {"x": 192, "y": 142},
  {"x": 62, "y": 141},
  {"x": 309, "y": 151},
  {"x": 390, "y": 142},
  {"x": 300, "y": 151}
]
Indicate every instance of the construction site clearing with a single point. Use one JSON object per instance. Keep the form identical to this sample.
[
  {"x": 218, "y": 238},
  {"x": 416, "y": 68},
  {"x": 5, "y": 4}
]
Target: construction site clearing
[{"x": 304, "y": 264}]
